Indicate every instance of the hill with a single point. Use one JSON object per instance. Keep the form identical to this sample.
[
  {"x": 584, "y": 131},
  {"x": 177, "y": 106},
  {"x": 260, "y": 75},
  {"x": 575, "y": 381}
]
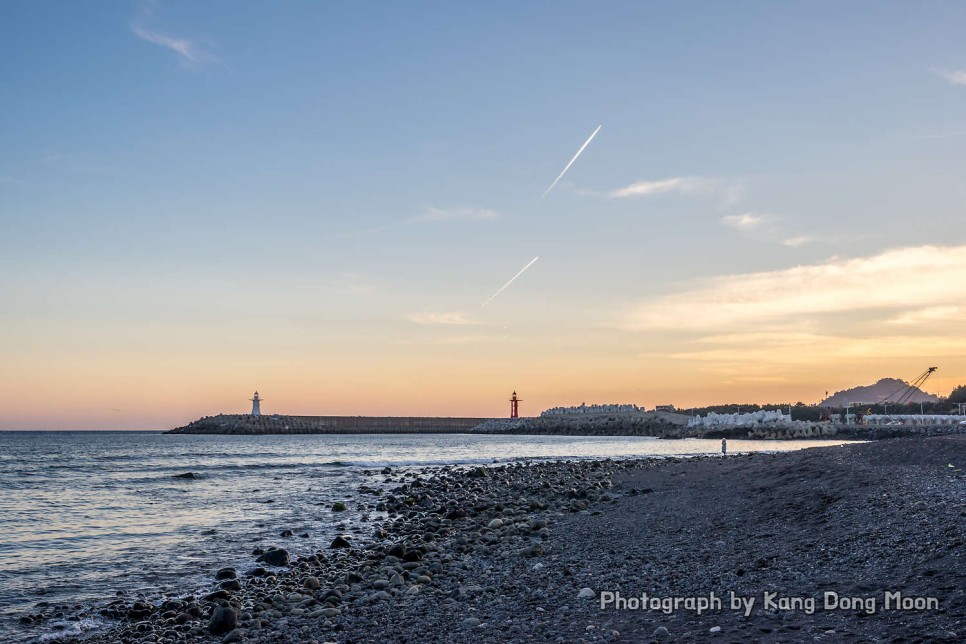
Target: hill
[{"x": 885, "y": 388}]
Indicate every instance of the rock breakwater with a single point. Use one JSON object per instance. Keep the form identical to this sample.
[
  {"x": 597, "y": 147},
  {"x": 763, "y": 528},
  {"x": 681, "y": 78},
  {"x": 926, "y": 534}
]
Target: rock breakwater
[{"x": 281, "y": 424}]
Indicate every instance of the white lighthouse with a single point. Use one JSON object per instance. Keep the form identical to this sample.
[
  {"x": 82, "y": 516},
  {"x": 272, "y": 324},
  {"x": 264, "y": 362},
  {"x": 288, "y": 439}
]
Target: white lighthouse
[{"x": 256, "y": 405}]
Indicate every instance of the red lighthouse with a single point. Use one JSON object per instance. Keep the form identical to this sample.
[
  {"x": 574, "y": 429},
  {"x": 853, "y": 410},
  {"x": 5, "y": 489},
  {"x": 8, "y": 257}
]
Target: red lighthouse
[{"x": 514, "y": 406}]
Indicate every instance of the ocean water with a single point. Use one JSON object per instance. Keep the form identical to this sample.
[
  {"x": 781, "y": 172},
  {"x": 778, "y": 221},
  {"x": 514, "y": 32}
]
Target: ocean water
[{"x": 86, "y": 514}]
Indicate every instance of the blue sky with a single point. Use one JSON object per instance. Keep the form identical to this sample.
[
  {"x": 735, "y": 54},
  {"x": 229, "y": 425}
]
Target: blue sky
[{"x": 313, "y": 198}]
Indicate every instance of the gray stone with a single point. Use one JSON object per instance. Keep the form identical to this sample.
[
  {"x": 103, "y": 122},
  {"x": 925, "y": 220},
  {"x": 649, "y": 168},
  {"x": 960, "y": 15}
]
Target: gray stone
[
  {"x": 236, "y": 635},
  {"x": 223, "y": 619},
  {"x": 276, "y": 557},
  {"x": 312, "y": 583},
  {"x": 340, "y": 542}
]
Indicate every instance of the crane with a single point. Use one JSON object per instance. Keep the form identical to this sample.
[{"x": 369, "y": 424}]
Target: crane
[{"x": 902, "y": 395}]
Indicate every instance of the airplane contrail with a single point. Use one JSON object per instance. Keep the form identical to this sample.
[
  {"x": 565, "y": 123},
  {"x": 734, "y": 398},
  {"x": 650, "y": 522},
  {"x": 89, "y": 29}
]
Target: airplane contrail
[
  {"x": 510, "y": 282},
  {"x": 560, "y": 176}
]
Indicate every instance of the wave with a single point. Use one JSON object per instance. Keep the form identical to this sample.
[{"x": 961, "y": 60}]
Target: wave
[{"x": 70, "y": 630}]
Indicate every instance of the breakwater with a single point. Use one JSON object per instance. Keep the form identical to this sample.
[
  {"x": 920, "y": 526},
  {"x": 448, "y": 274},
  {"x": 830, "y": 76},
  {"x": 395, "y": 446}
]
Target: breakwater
[
  {"x": 278, "y": 424},
  {"x": 656, "y": 424}
]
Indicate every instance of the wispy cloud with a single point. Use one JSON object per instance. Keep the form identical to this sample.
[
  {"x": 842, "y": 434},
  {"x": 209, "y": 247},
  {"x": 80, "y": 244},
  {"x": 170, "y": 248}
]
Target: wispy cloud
[
  {"x": 799, "y": 240},
  {"x": 661, "y": 186},
  {"x": 932, "y": 314},
  {"x": 948, "y": 133},
  {"x": 443, "y": 319},
  {"x": 463, "y": 213},
  {"x": 952, "y": 76},
  {"x": 185, "y": 48},
  {"x": 765, "y": 227},
  {"x": 455, "y": 340},
  {"x": 747, "y": 221},
  {"x": 188, "y": 51},
  {"x": 433, "y": 215},
  {"x": 746, "y": 353},
  {"x": 893, "y": 282},
  {"x": 11, "y": 180}
]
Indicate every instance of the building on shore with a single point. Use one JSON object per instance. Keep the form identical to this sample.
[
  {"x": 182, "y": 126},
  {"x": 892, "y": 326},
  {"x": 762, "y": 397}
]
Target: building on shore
[{"x": 584, "y": 408}]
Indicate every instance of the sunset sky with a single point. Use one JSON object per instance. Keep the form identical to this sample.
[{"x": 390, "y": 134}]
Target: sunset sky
[{"x": 315, "y": 199}]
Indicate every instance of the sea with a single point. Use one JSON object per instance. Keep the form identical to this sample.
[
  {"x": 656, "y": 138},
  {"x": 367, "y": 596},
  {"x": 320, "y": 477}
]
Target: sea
[{"x": 87, "y": 515}]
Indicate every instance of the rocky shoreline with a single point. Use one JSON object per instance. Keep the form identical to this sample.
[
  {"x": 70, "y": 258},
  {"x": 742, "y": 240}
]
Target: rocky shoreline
[{"x": 526, "y": 553}]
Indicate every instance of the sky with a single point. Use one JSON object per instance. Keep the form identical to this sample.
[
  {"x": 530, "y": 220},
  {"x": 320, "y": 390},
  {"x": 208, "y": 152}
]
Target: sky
[{"x": 319, "y": 200}]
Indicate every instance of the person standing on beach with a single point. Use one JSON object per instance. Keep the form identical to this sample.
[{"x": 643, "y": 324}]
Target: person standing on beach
[{"x": 724, "y": 446}]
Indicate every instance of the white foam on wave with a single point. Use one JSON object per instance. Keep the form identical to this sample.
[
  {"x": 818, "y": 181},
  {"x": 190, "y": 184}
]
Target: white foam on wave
[{"x": 70, "y": 630}]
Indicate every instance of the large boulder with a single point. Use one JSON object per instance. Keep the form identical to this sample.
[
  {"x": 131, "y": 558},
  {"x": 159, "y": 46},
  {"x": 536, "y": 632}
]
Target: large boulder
[
  {"x": 340, "y": 542},
  {"x": 275, "y": 557},
  {"x": 223, "y": 619}
]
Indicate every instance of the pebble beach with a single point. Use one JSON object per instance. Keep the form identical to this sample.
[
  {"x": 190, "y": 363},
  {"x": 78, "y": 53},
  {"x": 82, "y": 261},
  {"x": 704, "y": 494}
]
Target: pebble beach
[{"x": 537, "y": 552}]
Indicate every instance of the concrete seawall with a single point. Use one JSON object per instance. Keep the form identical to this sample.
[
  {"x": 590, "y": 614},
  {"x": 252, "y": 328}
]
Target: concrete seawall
[{"x": 276, "y": 424}]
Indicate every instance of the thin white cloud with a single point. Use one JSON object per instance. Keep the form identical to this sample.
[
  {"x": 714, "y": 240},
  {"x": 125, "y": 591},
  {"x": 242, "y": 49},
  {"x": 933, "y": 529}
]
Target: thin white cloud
[
  {"x": 799, "y": 240},
  {"x": 952, "y": 76},
  {"x": 929, "y": 315},
  {"x": 949, "y": 133},
  {"x": 181, "y": 46},
  {"x": 434, "y": 215},
  {"x": 765, "y": 227},
  {"x": 733, "y": 194},
  {"x": 746, "y": 222},
  {"x": 893, "y": 281},
  {"x": 188, "y": 51},
  {"x": 455, "y": 340},
  {"x": 443, "y": 319},
  {"x": 754, "y": 349},
  {"x": 661, "y": 186},
  {"x": 464, "y": 213}
]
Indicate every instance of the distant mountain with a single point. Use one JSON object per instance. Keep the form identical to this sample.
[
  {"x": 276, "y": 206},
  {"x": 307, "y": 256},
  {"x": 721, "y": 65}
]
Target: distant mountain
[{"x": 885, "y": 388}]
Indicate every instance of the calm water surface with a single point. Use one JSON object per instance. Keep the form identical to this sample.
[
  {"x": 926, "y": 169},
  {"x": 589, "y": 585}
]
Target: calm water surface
[{"x": 86, "y": 514}]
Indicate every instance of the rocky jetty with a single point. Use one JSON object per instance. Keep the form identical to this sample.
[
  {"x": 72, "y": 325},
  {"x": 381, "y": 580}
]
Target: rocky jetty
[
  {"x": 634, "y": 423},
  {"x": 283, "y": 424},
  {"x": 528, "y": 552}
]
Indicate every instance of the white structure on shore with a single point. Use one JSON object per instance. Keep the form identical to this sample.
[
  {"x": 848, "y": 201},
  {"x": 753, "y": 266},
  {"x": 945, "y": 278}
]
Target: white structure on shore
[
  {"x": 913, "y": 420},
  {"x": 256, "y": 405},
  {"x": 754, "y": 419},
  {"x": 584, "y": 408}
]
